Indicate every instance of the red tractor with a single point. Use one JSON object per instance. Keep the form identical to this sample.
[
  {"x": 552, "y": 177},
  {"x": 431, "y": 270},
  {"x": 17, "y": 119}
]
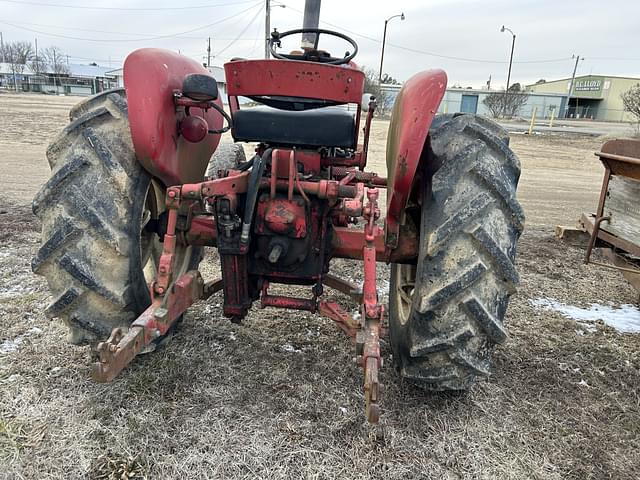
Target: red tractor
[{"x": 133, "y": 199}]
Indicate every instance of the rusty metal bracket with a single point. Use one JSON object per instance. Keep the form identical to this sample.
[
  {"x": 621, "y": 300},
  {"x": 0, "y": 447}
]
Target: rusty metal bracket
[
  {"x": 592, "y": 241},
  {"x": 344, "y": 321},
  {"x": 593, "y": 237},
  {"x": 344, "y": 286},
  {"x": 121, "y": 348}
]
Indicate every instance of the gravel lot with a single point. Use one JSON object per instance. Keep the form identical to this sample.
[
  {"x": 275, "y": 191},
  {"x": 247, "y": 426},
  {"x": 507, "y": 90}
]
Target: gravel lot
[{"x": 278, "y": 396}]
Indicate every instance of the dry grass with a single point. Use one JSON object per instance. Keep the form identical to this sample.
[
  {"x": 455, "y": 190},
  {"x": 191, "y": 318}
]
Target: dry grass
[{"x": 227, "y": 401}]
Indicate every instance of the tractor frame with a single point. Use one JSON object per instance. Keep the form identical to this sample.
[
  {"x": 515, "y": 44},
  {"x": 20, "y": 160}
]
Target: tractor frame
[{"x": 298, "y": 200}]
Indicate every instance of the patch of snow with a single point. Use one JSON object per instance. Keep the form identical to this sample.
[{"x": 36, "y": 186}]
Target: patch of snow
[
  {"x": 290, "y": 348},
  {"x": 10, "y": 346},
  {"x": 5, "y": 254},
  {"x": 15, "y": 291},
  {"x": 625, "y": 318},
  {"x": 383, "y": 287},
  {"x": 343, "y": 410}
]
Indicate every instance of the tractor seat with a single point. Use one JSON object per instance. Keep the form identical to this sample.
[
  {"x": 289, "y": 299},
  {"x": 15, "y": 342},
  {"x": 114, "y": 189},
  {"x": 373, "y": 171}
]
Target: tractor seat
[{"x": 321, "y": 127}]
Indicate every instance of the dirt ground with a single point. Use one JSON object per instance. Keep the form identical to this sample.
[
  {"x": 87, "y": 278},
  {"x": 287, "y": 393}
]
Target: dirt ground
[{"x": 278, "y": 396}]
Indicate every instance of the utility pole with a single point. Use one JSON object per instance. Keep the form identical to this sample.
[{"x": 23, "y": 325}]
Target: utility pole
[
  {"x": 2, "y": 47},
  {"x": 209, "y": 53},
  {"x": 573, "y": 77},
  {"x": 267, "y": 28},
  {"x": 311, "y": 20}
]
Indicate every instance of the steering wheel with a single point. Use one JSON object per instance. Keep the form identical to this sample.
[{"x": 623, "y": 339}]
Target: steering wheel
[{"x": 312, "y": 55}]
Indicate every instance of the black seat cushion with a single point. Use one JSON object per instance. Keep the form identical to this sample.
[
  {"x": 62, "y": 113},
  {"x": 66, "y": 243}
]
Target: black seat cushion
[{"x": 322, "y": 127}]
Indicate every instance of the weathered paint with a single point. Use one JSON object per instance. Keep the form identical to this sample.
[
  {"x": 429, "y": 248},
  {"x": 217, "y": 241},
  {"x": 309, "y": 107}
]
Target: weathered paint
[
  {"x": 340, "y": 84},
  {"x": 413, "y": 112},
  {"x": 151, "y": 76}
]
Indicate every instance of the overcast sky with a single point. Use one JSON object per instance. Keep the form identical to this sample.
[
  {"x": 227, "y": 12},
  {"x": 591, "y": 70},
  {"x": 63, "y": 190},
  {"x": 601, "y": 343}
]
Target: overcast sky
[{"x": 548, "y": 33}]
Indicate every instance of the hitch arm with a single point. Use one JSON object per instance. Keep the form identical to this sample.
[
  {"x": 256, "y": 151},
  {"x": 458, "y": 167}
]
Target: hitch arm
[
  {"x": 368, "y": 338},
  {"x": 121, "y": 348}
]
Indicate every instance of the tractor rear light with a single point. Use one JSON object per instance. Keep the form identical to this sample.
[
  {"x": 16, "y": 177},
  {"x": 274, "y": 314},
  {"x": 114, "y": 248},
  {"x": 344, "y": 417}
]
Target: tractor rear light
[{"x": 194, "y": 128}]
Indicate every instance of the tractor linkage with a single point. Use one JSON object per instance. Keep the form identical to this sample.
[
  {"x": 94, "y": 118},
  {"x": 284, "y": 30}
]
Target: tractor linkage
[{"x": 190, "y": 221}]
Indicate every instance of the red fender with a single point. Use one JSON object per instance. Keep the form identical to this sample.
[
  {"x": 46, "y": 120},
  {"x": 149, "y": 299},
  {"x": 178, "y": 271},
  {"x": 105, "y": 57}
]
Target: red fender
[
  {"x": 151, "y": 76},
  {"x": 413, "y": 112}
]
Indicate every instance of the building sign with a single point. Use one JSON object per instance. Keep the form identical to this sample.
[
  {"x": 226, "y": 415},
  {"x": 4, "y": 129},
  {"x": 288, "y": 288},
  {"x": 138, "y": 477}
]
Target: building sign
[{"x": 588, "y": 85}]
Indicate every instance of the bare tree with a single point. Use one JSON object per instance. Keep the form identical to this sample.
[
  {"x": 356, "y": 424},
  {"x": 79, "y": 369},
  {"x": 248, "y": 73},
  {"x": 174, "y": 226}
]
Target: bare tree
[
  {"x": 514, "y": 100},
  {"x": 17, "y": 54},
  {"x": 55, "y": 60},
  {"x": 372, "y": 86},
  {"x": 494, "y": 103},
  {"x": 507, "y": 104},
  {"x": 631, "y": 102},
  {"x": 38, "y": 65}
]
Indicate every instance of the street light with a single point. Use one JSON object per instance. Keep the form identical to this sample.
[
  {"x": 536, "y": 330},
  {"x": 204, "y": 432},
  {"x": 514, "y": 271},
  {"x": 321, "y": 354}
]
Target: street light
[
  {"x": 513, "y": 44},
  {"x": 384, "y": 39}
]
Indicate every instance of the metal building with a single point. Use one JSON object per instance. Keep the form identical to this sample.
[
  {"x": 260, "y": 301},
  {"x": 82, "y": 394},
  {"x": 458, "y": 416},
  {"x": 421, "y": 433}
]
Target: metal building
[
  {"x": 468, "y": 100},
  {"x": 596, "y": 97}
]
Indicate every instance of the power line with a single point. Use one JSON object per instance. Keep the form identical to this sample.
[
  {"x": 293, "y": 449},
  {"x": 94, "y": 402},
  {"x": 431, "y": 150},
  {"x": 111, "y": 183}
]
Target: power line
[
  {"x": 117, "y": 33},
  {"x": 110, "y": 60},
  {"x": 475, "y": 60},
  {"x": 132, "y": 39},
  {"x": 87, "y": 7},
  {"x": 433, "y": 54},
  {"x": 240, "y": 34},
  {"x": 615, "y": 59}
]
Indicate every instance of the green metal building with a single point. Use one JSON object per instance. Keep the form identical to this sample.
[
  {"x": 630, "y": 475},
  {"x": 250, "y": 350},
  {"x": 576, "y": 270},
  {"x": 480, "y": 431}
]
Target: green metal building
[{"x": 595, "y": 97}]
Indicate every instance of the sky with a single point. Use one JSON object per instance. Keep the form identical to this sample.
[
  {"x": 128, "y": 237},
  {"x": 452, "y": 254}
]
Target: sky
[{"x": 461, "y": 37}]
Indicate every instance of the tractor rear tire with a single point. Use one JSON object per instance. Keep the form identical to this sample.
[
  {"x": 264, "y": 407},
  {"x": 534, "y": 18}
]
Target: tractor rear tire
[
  {"x": 446, "y": 313},
  {"x": 228, "y": 155},
  {"x": 96, "y": 254}
]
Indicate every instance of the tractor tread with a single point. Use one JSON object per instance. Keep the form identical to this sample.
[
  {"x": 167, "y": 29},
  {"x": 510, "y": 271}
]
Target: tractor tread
[
  {"x": 82, "y": 273},
  {"x": 501, "y": 260},
  {"x": 471, "y": 221},
  {"x": 104, "y": 154},
  {"x": 480, "y": 132},
  {"x": 457, "y": 221},
  {"x": 96, "y": 220},
  {"x": 114, "y": 97},
  {"x": 414, "y": 372},
  {"x": 62, "y": 302},
  {"x": 489, "y": 323},
  {"x": 68, "y": 134},
  {"x": 81, "y": 325},
  {"x": 438, "y": 344},
  {"x": 57, "y": 181},
  {"x": 459, "y": 284},
  {"x": 500, "y": 188},
  {"x": 65, "y": 231}
]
